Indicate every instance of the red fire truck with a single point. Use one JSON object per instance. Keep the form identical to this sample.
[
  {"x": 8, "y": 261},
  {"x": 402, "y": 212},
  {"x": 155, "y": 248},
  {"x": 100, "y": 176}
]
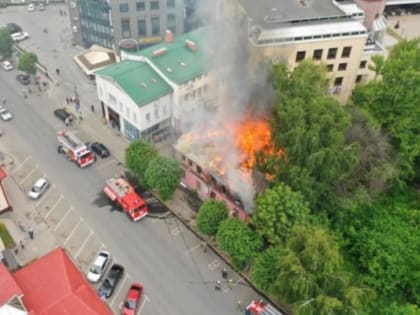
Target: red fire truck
[
  {"x": 261, "y": 308},
  {"x": 122, "y": 193},
  {"x": 74, "y": 149}
]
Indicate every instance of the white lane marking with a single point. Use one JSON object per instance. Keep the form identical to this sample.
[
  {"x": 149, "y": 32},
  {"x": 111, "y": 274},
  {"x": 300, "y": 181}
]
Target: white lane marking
[
  {"x": 199, "y": 245},
  {"x": 44, "y": 195},
  {"x": 71, "y": 233},
  {"x": 63, "y": 218},
  {"x": 84, "y": 244},
  {"x": 121, "y": 284},
  {"x": 53, "y": 206},
  {"x": 214, "y": 264},
  {"x": 23, "y": 162},
  {"x": 146, "y": 299},
  {"x": 177, "y": 230},
  {"x": 29, "y": 174}
]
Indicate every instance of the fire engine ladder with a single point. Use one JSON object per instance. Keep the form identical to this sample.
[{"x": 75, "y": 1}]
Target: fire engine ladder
[{"x": 73, "y": 143}]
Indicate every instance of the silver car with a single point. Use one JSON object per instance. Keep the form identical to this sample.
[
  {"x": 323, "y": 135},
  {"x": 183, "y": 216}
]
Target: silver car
[{"x": 38, "y": 189}]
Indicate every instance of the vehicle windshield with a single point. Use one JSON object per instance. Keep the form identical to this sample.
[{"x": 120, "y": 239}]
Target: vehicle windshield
[
  {"x": 140, "y": 209},
  {"x": 36, "y": 189},
  {"x": 107, "y": 284},
  {"x": 130, "y": 304},
  {"x": 95, "y": 269}
]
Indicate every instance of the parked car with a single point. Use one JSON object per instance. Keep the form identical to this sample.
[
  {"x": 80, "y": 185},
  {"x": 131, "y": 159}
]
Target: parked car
[
  {"x": 100, "y": 149},
  {"x": 5, "y": 114},
  {"x": 25, "y": 79},
  {"x": 111, "y": 280},
  {"x": 132, "y": 300},
  {"x": 13, "y": 28},
  {"x": 38, "y": 189},
  {"x": 41, "y": 7},
  {"x": 63, "y": 114},
  {"x": 97, "y": 269},
  {"x": 31, "y": 7},
  {"x": 6, "y": 65},
  {"x": 17, "y": 37}
]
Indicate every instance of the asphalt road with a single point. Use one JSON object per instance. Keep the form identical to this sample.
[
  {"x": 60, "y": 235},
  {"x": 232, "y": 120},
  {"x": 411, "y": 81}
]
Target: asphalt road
[{"x": 178, "y": 277}]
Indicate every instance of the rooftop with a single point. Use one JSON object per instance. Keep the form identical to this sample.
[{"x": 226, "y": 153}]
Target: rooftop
[
  {"x": 181, "y": 60},
  {"x": 138, "y": 80},
  {"x": 268, "y": 12}
]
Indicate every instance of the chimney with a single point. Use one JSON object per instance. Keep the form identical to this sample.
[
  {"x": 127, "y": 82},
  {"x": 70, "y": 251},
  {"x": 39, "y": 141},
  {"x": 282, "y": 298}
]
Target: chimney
[
  {"x": 191, "y": 45},
  {"x": 169, "y": 37}
]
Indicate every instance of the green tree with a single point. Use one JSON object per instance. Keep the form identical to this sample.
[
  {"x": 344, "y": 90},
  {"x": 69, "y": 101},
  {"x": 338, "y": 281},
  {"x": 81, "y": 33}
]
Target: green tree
[
  {"x": 163, "y": 174},
  {"x": 210, "y": 215},
  {"x": 394, "y": 101},
  {"x": 310, "y": 127},
  {"x": 27, "y": 62},
  {"x": 266, "y": 268},
  {"x": 238, "y": 241},
  {"x": 6, "y": 43},
  {"x": 137, "y": 157},
  {"x": 276, "y": 212}
]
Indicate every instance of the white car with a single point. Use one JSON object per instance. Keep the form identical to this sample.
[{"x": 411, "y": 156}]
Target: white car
[
  {"x": 97, "y": 269},
  {"x": 41, "y": 7},
  {"x": 6, "y": 65},
  {"x": 31, "y": 7},
  {"x": 5, "y": 114},
  {"x": 17, "y": 37},
  {"x": 40, "y": 186}
]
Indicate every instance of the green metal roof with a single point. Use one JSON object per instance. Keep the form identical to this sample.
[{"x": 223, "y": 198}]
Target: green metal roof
[
  {"x": 179, "y": 63},
  {"x": 138, "y": 80}
]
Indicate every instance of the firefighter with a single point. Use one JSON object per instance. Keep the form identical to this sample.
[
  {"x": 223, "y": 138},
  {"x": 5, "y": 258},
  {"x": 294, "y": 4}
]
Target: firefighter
[
  {"x": 224, "y": 273},
  {"x": 218, "y": 285}
]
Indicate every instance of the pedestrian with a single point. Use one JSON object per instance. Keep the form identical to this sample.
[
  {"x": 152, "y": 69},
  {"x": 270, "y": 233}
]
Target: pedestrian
[
  {"x": 67, "y": 121},
  {"x": 80, "y": 116},
  {"x": 57, "y": 71},
  {"x": 21, "y": 227},
  {"x": 230, "y": 284},
  {"x": 224, "y": 273},
  {"x": 44, "y": 84},
  {"x": 31, "y": 233},
  {"x": 239, "y": 306},
  {"x": 92, "y": 108},
  {"x": 21, "y": 244},
  {"x": 67, "y": 100},
  {"x": 3, "y": 100},
  {"x": 29, "y": 90},
  {"x": 218, "y": 285}
]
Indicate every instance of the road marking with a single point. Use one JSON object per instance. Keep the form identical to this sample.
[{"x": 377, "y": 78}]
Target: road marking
[
  {"x": 74, "y": 229},
  {"x": 29, "y": 174},
  {"x": 146, "y": 299},
  {"x": 214, "y": 264},
  {"x": 23, "y": 162},
  {"x": 199, "y": 245},
  {"x": 176, "y": 231},
  {"x": 43, "y": 196},
  {"x": 84, "y": 244},
  {"x": 119, "y": 290},
  {"x": 233, "y": 285},
  {"x": 53, "y": 206},
  {"x": 62, "y": 219}
]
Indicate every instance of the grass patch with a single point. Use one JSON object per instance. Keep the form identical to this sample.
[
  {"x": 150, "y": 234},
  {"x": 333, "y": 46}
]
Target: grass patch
[{"x": 5, "y": 237}]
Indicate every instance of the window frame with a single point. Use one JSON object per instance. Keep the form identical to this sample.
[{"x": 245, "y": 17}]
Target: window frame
[{"x": 332, "y": 53}]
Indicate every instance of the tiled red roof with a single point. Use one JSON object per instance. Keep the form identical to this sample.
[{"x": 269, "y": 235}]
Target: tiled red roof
[
  {"x": 53, "y": 285},
  {"x": 8, "y": 286}
]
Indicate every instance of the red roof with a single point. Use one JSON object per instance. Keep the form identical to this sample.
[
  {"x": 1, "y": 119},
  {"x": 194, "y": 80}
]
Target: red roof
[
  {"x": 53, "y": 285},
  {"x": 8, "y": 285},
  {"x": 2, "y": 173}
]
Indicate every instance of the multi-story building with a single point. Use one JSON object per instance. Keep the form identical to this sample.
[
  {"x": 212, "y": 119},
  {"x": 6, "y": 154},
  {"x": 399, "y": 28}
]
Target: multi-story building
[
  {"x": 108, "y": 22},
  {"x": 331, "y": 32}
]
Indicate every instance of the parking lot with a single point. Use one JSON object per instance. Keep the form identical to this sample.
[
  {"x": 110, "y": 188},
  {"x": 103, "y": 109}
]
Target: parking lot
[{"x": 59, "y": 217}]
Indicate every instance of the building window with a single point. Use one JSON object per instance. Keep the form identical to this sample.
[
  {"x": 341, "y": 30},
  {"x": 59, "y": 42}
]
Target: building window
[
  {"x": 135, "y": 118},
  {"x": 300, "y": 55},
  {"x": 170, "y": 4},
  {"x": 171, "y": 22},
  {"x": 338, "y": 81},
  {"x": 155, "y": 26},
  {"x": 342, "y": 67},
  {"x": 330, "y": 67},
  {"x": 141, "y": 28},
  {"x": 154, "y": 5},
  {"x": 124, "y": 7},
  {"x": 140, "y": 6},
  {"x": 363, "y": 64},
  {"x": 332, "y": 53},
  {"x": 359, "y": 78},
  {"x": 317, "y": 54},
  {"x": 125, "y": 28},
  {"x": 148, "y": 117},
  {"x": 346, "y": 52},
  {"x": 165, "y": 110},
  {"x": 131, "y": 132},
  {"x": 156, "y": 113}
]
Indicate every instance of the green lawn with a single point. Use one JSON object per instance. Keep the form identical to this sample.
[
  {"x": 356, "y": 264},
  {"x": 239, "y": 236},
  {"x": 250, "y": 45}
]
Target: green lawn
[{"x": 5, "y": 237}]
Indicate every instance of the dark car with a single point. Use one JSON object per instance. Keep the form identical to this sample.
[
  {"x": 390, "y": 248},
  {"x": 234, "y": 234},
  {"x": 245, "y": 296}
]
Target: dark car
[
  {"x": 62, "y": 114},
  {"x": 23, "y": 78},
  {"x": 13, "y": 28},
  {"x": 100, "y": 149},
  {"x": 112, "y": 278}
]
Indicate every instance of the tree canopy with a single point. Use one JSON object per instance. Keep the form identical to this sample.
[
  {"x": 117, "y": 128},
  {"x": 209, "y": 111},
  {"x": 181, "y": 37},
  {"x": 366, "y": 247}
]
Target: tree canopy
[
  {"x": 137, "y": 157},
  {"x": 210, "y": 215},
  {"x": 163, "y": 174},
  {"x": 27, "y": 62},
  {"x": 277, "y": 210},
  {"x": 6, "y": 43}
]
